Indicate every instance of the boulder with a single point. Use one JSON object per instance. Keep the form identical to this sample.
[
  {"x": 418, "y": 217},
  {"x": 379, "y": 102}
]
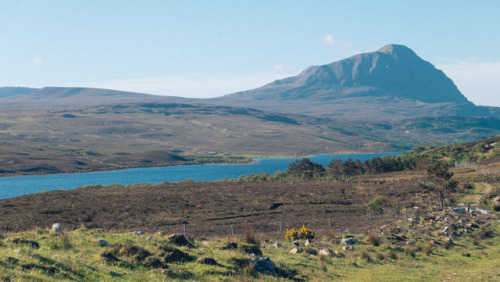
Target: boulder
[
  {"x": 296, "y": 250},
  {"x": 459, "y": 210},
  {"x": 56, "y": 228},
  {"x": 348, "y": 248},
  {"x": 263, "y": 265},
  {"x": 348, "y": 241},
  {"x": 326, "y": 252},
  {"x": 307, "y": 243},
  {"x": 101, "y": 242},
  {"x": 137, "y": 233}
]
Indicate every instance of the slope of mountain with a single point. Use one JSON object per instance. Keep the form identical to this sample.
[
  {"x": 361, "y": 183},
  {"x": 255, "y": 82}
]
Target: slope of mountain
[
  {"x": 14, "y": 91},
  {"x": 75, "y": 97},
  {"x": 392, "y": 82}
]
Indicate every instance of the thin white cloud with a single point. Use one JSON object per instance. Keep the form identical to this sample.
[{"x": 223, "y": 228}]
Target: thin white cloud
[
  {"x": 195, "y": 86},
  {"x": 36, "y": 61},
  {"x": 329, "y": 40},
  {"x": 478, "y": 80}
]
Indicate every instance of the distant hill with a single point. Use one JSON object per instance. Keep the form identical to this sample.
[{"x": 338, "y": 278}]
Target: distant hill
[
  {"x": 14, "y": 91},
  {"x": 392, "y": 82},
  {"x": 74, "y": 97}
]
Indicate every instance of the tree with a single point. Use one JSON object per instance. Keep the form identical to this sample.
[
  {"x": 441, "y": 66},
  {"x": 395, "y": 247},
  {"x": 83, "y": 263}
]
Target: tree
[
  {"x": 441, "y": 185},
  {"x": 305, "y": 169}
]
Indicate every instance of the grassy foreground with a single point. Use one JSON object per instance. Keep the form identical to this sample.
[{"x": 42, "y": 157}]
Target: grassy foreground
[{"x": 401, "y": 251}]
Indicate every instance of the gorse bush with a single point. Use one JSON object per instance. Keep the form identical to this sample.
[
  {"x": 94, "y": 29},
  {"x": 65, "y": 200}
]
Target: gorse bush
[{"x": 302, "y": 233}]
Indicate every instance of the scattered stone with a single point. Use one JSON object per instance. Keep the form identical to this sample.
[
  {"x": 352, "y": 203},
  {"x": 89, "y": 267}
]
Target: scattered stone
[
  {"x": 149, "y": 238},
  {"x": 137, "y": 233},
  {"x": 348, "y": 248},
  {"x": 263, "y": 265},
  {"x": 277, "y": 245},
  {"x": 18, "y": 251},
  {"x": 230, "y": 246},
  {"x": 348, "y": 241},
  {"x": 410, "y": 243},
  {"x": 459, "y": 210},
  {"x": 207, "y": 261},
  {"x": 296, "y": 250},
  {"x": 180, "y": 240},
  {"x": 56, "y": 228},
  {"x": 101, "y": 242},
  {"x": 298, "y": 244},
  {"x": 326, "y": 252}
]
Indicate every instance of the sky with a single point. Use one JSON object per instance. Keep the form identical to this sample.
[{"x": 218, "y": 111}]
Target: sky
[{"x": 211, "y": 48}]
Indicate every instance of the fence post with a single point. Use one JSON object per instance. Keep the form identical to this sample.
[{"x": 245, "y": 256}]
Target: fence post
[
  {"x": 184, "y": 228},
  {"x": 232, "y": 230},
  {"x": 281, "y": 227},
  {"x": 329, "y": 223}
]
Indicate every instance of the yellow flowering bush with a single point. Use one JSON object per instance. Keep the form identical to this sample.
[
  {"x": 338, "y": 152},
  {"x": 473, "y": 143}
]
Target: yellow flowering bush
[{"x": 302, "y": 233}]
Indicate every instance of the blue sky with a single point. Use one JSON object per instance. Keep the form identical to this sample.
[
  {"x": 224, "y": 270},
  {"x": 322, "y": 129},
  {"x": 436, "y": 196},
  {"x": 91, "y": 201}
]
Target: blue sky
[{"x": 211, "y": 48}]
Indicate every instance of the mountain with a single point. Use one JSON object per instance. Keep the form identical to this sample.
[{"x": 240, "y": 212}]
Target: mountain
[
  {"x": 392, "y": 82},
  {"x": 75, "y": 97}
]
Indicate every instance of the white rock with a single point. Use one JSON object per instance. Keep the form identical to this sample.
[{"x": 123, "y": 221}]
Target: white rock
[{"x": 56, "y": 228}]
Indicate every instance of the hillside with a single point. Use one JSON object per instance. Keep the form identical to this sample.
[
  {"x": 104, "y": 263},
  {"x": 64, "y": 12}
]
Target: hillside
[
  {"x": 74, "y": 97},
  {"x": 392, "y": 82},
  {"x": 143, "y": 135}
]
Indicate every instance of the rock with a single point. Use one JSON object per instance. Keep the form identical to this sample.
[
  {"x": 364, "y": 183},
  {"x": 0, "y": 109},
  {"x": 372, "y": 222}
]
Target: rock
[
  {"x": 348, "y": 241},
  {"x": 101, "y": 242},
  {"x": 410, "y": 243},
  {"x": 296, "y": 250},
  {"x": 230, "y": 246},
  {"x": 149, "y": 238},
  {"x": 56, "y": 228},
  {"x": 326, "y": 252},
  {"x": 298, "y": 244},
  {"x": 18, "y": 251},
  {"x": 277, "y": 245},
  {"x": 137, "y": 233},
  {"x": 348, "y": 248},
  {"x": 459, "y": 210},
  {"x": 307, "y": 243},
  {"x": 207, "y": 261},
  {"x": 180, "y": 240},
  {"x": 263, "y": 265}
]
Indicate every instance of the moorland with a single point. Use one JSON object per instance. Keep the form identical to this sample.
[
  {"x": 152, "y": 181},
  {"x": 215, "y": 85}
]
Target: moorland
[{"x": 394, "y": 215}]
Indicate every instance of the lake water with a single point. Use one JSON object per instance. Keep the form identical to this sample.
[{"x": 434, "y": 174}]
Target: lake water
[{"x": 22, "y": 185}]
